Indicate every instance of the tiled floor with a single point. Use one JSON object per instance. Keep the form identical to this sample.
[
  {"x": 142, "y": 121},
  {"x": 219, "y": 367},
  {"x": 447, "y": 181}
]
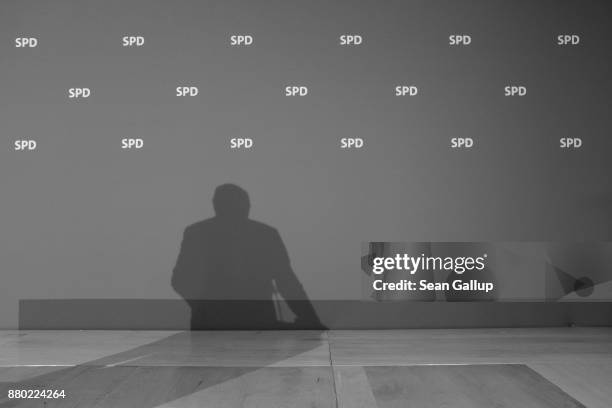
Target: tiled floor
[{"x": 403, "y": 368}]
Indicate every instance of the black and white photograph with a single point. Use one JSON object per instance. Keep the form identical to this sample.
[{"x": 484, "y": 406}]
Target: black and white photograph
[{"x": 306, "y": 203}]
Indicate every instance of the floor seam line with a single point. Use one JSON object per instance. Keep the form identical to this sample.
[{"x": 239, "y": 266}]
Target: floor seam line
[{"x": 331, "y": 366}]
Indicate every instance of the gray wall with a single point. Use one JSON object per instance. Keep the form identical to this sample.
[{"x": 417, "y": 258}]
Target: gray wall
[{"x": 82, "y": 219}]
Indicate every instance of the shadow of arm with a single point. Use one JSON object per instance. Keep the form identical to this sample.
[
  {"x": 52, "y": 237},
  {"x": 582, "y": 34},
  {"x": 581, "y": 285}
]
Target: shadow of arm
[
  {"x": 185, "y": 267},
  {"x": 291, "y": 288}
]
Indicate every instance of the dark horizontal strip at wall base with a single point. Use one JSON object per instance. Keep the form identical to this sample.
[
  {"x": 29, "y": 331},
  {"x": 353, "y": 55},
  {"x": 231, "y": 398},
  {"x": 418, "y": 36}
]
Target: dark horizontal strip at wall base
[{"x": 152, "y": 314}]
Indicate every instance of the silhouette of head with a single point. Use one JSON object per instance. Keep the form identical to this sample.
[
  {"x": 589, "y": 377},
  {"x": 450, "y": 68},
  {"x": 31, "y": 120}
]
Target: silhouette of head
[{"x": 231, "y": 201}]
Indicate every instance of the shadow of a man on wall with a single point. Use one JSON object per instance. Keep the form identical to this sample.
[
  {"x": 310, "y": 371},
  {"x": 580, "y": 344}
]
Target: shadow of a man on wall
[{"x": 234, "y": 272}]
